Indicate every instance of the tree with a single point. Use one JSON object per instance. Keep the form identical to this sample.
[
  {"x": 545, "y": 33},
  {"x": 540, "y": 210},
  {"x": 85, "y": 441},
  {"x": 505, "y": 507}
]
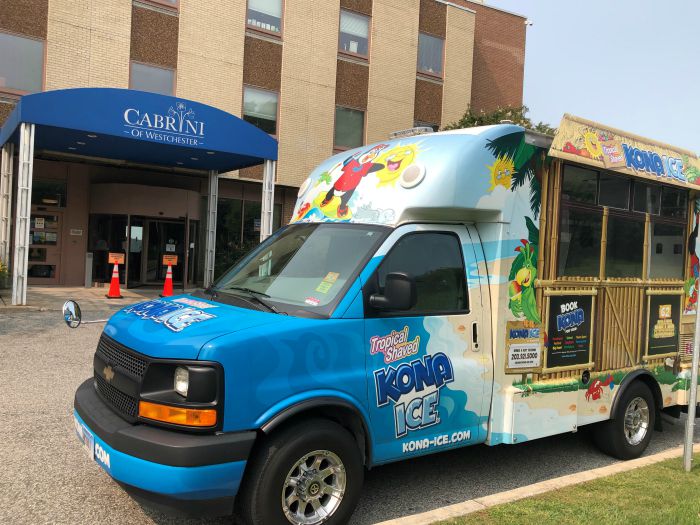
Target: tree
[{"x": 517, "y": 115}]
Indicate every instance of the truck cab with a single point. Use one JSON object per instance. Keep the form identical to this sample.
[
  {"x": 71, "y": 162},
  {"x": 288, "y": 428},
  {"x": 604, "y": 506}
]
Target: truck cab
[{"x": 371, "y": 329}]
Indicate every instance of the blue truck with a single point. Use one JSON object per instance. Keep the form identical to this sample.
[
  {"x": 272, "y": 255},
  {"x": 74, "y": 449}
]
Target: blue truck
[{"x": 413, "y": 305}]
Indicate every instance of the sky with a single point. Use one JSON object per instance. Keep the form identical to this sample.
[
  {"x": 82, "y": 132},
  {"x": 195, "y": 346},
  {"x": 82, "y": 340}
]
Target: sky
[{"x": 630, "y": 64}]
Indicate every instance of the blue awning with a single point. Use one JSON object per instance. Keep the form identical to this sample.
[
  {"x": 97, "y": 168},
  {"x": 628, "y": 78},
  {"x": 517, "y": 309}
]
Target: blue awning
[{"x": 139, "y": 127}]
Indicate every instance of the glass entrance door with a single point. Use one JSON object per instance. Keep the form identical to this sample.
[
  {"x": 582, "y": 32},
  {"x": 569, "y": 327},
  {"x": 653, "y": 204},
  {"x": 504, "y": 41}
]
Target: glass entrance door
[
  {"x": 163, "y": 238},
  {"x": 151, "y": 239},
  {"x": 136, "y": 251}
]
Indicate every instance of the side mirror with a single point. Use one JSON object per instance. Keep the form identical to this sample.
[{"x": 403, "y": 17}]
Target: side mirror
[
  {"x": 71, "y": 314},
  {"x": 399, "y": 293}
]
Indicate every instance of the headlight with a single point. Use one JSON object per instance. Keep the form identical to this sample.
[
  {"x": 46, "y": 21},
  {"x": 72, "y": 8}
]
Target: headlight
[{"x": 181, "y": 381}]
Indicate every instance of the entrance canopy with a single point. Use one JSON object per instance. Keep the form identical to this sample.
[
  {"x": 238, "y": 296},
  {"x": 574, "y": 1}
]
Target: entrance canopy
[
  {"x": 129, "y": 126},
  {"x": 139, "y": 127}
]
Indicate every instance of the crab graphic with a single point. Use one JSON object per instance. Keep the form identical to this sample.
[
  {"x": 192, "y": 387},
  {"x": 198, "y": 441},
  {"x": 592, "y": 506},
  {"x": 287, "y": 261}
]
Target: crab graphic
[{"x": 596, "y": 389}]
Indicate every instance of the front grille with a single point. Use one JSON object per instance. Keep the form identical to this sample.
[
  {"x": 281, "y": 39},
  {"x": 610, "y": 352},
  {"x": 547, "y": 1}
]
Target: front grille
[
  {"x": 121, "y": 402},
  {"x": 119, "y": 355}
]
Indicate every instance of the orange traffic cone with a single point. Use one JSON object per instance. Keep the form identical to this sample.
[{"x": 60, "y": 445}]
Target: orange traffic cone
[
  {"x": 114, "y": 291},
  {"x": 168, "y": 284}
]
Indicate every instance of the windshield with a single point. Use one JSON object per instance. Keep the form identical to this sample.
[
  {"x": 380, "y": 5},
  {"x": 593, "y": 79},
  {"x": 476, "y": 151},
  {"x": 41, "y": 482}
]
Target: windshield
[{"x": 304, "y": 266}]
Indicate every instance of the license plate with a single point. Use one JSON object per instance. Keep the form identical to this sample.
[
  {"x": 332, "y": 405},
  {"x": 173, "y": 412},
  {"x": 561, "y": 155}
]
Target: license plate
[{"x": 85, "y": 437}]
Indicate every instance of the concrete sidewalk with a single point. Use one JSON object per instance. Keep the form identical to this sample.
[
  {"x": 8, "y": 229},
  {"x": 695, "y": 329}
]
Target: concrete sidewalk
[
  {"x": 45, "y": 298},
  {"x": 465, "y": 508}
]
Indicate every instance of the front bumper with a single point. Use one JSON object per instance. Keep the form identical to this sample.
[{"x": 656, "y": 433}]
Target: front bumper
[{"x": 197, "y": 474}]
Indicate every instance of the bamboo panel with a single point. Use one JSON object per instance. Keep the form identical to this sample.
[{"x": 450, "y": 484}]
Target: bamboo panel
[
  {"x": 554, "y": 230},
  {"x": 603, "y": 243},
  {"x": 544, "y": 207},
  {"x": 620, "y": 325}
]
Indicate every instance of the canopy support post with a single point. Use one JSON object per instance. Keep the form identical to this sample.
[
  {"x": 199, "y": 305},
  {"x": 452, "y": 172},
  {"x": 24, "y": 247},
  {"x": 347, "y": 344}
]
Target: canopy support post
[
  {"x": 210, "y": 241},
  {"x": 24, "y": 208},
  {"x": 6, "y": 165},
  {"x": 268, "y": 199}
]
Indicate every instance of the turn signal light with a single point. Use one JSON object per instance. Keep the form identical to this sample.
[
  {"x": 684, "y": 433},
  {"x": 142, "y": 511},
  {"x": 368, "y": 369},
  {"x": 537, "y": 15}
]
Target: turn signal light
[{"x": 190, "y": 417}]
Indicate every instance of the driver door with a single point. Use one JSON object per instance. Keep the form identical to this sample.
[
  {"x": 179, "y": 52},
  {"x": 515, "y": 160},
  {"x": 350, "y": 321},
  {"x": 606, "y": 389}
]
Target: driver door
[{"x": 426, "y": 365}]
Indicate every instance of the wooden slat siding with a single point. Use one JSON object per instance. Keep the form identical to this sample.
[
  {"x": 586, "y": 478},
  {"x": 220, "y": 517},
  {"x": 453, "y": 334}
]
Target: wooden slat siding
[
  {"x": 539, "y": 293},
  {"x": 554, "y": 237},
  {"x": 603, "y": 243},
  {"x": 641, "y": 320},
  {"x": 688, "y": 229},
  {"x": 645, "y": 249}
]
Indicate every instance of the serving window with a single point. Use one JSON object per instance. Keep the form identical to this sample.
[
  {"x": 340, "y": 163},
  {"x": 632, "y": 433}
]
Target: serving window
[
  {"x": 614, "y": 246},
  {"x": 601, "y": 210}
]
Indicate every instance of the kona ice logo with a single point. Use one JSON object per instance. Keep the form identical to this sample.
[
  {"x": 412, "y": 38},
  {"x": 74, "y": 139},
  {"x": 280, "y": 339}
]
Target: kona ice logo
[
  {"x": 652, "y": 162},
  {"x": 424, "y": 377},
  {"x": 394, "y": 346},
  {"x": 173, "y": 316},
  {"x": 571, "y": 317}
]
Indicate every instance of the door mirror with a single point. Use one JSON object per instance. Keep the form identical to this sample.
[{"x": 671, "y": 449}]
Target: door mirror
[
  {"x": 399, "y": 293},
  {"x": 71, "y": 314}
]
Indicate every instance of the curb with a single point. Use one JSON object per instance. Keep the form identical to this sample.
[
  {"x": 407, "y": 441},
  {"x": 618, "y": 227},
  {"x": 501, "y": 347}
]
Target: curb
[{"x": 474, "y": 505}]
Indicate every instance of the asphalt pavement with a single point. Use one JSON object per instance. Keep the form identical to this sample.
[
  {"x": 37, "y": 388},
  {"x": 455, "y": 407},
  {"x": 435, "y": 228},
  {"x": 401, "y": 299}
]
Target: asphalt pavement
[{"x": 45, "y": 477}]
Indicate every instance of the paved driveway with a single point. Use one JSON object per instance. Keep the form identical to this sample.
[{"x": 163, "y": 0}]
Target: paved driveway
[{"x": 46, "y": 478}]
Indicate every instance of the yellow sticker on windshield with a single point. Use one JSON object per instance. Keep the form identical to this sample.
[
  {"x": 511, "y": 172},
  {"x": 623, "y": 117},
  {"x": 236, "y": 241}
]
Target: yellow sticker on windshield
[
  {"x": 324, "y": 287},
  {"x": 331, "y": 277}
]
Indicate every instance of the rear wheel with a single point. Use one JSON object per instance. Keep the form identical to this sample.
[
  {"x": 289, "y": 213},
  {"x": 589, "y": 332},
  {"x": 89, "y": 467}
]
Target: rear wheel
[
  {"x": 628, "y": 434},
  {"x": 307, "y": 474}
]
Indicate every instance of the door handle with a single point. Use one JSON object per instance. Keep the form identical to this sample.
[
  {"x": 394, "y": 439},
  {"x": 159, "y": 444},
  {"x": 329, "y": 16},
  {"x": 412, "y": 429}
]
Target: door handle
[{"x": 475, "y": 336}]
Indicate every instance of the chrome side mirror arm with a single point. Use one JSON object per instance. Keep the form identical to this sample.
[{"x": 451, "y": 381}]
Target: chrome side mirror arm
[{"x": 73, "y": 317}]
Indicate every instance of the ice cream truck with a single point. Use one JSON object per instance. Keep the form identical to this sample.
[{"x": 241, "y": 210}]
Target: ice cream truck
[{"x": 488, "y": 286}]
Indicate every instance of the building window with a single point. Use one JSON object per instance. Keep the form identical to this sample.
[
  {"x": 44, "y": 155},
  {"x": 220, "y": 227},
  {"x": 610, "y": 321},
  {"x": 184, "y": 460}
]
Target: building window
[
  {"x": 21, "y": 64},
  {"x": 354, "y": 33},
  {"x": 349, "y": 128},
  {"x": 430, "y": 51},
  {"x": 265, "y": 15},
  {"x": 238, "y": 224},
  {"x": 153, "y": 79},
  {"x": 260, "y": 108},
  {"x": 49, "y": 193},
  {"x": 170, "y": 3}
]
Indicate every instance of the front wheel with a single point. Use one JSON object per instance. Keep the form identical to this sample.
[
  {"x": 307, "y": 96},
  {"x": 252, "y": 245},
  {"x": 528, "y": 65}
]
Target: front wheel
[
  {"x": 307, "y": 474},
  {"x": 628, "y": 434}
]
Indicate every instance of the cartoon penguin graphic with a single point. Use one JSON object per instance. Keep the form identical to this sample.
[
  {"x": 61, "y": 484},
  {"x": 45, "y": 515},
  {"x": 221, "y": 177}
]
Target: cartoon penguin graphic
[{"x": 354, "y": 169}]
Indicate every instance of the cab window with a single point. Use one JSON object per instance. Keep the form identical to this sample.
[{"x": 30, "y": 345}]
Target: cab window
[{"x": 435, "y": 261}]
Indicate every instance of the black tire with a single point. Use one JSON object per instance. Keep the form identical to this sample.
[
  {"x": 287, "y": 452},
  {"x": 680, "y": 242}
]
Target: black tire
[
  {"x": 611, "y": 436},
  {"x": 259, "y": 501}
]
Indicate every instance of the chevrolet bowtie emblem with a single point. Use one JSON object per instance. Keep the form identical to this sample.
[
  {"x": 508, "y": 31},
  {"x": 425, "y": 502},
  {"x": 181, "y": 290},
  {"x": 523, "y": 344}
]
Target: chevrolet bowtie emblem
[{"x": 108, "y": 373}]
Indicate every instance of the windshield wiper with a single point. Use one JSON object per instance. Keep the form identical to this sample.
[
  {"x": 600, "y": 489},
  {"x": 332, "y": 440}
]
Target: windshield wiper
[{"x": 255, "y": 295}]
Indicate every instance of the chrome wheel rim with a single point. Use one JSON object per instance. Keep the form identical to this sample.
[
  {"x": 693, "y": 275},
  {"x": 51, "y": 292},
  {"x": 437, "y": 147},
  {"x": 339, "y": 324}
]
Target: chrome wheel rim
[
  {"x": 636, "y": 421},
  {"x": 314, "y": 488}
]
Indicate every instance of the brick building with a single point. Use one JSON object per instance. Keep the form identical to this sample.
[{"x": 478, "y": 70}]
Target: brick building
[{"x": 319, "y": 76}]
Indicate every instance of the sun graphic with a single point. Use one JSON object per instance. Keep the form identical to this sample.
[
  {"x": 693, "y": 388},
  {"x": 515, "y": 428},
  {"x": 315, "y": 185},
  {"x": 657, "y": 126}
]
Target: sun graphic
[
  {"x": 590, "y": 140},
  {"x": 501, "y": 172},
  {"x": 395, "y": 161}
]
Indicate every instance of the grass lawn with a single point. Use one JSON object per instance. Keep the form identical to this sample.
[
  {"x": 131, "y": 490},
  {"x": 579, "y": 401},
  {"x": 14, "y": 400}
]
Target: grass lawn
[{"x": 659, "y": 494}]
